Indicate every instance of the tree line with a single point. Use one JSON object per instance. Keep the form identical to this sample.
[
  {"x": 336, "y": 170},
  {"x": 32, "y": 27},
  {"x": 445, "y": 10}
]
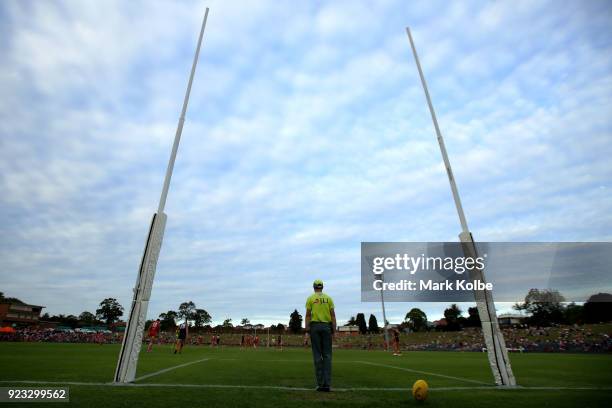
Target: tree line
[
  {"x": 547, "y": 307},
  {"x": 108, "y": 312},
  {"x": 187, "y": 312},
  {"x": 543, "y": 307}
]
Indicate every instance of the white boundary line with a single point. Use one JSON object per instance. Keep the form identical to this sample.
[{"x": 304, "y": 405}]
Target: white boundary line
[
  {"x": 165, "y": 370},
  {"x": 281, "y": 360},
  {"x": 426, "y": 373},
  {"x": 482, "y": 386},
  {"x": 282, "y": 388}
]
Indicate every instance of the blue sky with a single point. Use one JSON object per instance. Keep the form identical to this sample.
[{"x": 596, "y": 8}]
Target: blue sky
[{"x": 307, "y": 133}]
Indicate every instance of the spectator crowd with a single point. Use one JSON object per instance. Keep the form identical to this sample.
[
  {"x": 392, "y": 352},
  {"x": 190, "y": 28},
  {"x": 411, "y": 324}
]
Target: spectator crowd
[
  {"x": 523, "y": 339},
  {"x": 61, "y": 336}
]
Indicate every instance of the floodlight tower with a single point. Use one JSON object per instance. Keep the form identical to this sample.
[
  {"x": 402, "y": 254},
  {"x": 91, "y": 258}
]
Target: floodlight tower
[
  {"x": 132, "y": 338},
  {"x": 494, "y": 339}
]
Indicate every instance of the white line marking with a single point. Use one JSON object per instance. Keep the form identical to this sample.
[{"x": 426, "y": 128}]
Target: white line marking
[
  {"x": 165, "y": 370},
  {"x": 279, "y": 361},
  {"x": 424, "y": 372},
  {"x": 283, "y": 388}
]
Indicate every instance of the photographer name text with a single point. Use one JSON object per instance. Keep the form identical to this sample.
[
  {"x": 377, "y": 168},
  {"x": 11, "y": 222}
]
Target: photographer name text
[{"x": 409, "y": 285}]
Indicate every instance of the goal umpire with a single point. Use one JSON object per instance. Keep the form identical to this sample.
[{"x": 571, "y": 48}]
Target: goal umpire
[{"x": 321, "y": 325}]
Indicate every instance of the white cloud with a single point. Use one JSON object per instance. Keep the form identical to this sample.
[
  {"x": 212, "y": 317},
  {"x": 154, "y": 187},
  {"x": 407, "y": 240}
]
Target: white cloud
[{"x": 307, "y": 133}]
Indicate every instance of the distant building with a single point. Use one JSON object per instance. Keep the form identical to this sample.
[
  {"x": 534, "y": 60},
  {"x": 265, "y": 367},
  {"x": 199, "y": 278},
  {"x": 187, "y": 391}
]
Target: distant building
[
  {"x": 118, "y": 326},
  {"x": 440, "y": 324},
  {"x": 15, "y": 312},
  {"x": 47, "y": 324},
  {"x": 250, "y": 327},
  {"x": 351, "y": 330},
  {"x": 510, "y": 319}
]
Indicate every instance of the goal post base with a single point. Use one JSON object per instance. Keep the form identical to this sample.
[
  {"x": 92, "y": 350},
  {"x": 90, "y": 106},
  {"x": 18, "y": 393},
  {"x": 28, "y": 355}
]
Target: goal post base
[
  {"x": 493, "y": 337},
  {"x": 134, "y": 330}
]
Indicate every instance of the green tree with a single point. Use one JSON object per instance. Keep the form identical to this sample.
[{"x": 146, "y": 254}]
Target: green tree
[
  {"x": 245, "y": 321},
  {"x": 63, "y": 320},
  {"x": 373, "y": 324},
  {"x": 71, "y": 321},
  {"x": 417, "y": 319},
  {"x": 543, "y": 296},
  {"x": 295, "y": 322},
  {"x": 545, "y": 307},
  {"x": 598, "y": 308},
  {"x": 168, "y": 320},
  {"x": 452, "y": 315},
  {"x": 360, "y": 320},
  {"x": 87, "y": 318},
  {"x": 351, "y": 321},
  {"x": 227, "y": 323},
  {"x": 574, "y": 314},
  {"x": 473, "y": 319},
  {"x": 186, "y": 311},
  {"x": 201, "y": 317},
  {"x": 109, "y": 311}
]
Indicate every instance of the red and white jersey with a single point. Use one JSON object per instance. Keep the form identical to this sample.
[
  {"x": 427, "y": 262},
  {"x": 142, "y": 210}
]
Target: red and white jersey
[{"x": 154, "y": 329}]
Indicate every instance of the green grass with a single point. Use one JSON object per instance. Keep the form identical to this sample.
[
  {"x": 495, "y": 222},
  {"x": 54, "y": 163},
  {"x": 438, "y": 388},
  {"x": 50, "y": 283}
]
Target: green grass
[{"x": 353, "y": 371}]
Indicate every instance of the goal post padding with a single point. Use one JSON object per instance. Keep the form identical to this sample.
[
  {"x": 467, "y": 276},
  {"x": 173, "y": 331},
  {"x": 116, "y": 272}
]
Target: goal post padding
[
  {"x": 134, "y": 330},
  {"x": 493, "y": 337}
]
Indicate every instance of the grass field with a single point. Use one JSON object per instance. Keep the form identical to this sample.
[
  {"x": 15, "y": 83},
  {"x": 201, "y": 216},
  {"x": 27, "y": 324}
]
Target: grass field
[{"x": 231, "y": 377}]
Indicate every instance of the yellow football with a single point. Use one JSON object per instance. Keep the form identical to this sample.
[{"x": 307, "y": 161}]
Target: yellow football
[{"x": 419, "y": 390}]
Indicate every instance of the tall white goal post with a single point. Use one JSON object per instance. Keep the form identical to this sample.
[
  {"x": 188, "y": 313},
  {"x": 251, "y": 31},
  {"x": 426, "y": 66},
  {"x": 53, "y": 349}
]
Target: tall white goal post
[
  {"x": 132, "y": 340},
  {"x": 494, "y": 339},
  {"x": 134, "y": 331}
]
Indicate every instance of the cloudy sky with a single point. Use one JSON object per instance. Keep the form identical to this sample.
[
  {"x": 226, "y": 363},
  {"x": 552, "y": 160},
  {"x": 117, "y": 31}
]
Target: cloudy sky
[{"x": 307, "y": 133}]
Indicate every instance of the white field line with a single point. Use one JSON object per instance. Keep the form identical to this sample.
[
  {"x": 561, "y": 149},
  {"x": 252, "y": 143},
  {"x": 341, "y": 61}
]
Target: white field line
[
  {"x": 165, "y": 370},
  {"x": 278, "y": 360},
  {"x": 308, "y": 361},
  {"x": 272, "y": 387},
  {"x": 369, "y": 363},
  {"x": 425, "y": 373}
]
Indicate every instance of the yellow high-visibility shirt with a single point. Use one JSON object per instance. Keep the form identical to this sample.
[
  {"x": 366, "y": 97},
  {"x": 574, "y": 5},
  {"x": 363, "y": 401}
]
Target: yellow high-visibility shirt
[{"x": 320, "y": 306}]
